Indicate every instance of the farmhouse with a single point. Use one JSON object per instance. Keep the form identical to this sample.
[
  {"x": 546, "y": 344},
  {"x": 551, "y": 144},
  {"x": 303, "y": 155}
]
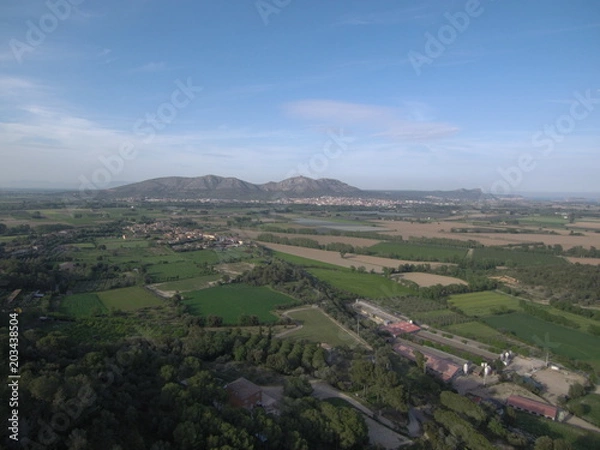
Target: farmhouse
[
  {"x": 402, "y": 327},
  {"x": 532, "y": 406},
  {"x": 245, "y": 394},
  {"x": 444, "y": 368}
]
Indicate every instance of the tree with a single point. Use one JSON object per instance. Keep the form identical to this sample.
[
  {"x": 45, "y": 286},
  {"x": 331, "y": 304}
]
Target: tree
[
  {"x": 297, "y": 387},
  {"x": 420, "y": 360},
  {"x": 544, "y": 443},
  {"x": 214, "y": 321},
  {"x": 576, "y": 390}
]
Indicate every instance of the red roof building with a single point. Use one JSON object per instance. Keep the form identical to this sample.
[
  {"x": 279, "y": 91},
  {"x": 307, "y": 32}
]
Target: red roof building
[
  {"x": 401, "y": 327},
  {"x": 444, "y": 368},
  {"x": 532, "y": 406}
]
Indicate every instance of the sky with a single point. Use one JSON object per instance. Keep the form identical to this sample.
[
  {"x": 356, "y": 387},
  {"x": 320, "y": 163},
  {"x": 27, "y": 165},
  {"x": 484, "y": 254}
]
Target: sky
[{"x": 501, "y": 95}]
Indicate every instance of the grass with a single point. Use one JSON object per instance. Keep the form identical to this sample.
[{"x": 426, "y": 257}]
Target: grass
[
  {"x": 539, "y": 426},
  {"x": 591, "y": 405},
  {"x": 190, "y": 284},
  {"x": 479, "y": 304},
  {"x": 474, "y": 330},
  {"x": 544, "y": 221},
  {"x": 82, "y": 305},
  {"x": 564, "y": 341},
  {"x": 362, "y": 284},
  {"x": 234, "y": 300},
  {"x": 128, "y": 299},
  {"x": 317, "y": 327},
  {"x": 417, "y": 252},
  {"x": 173, "y": 270}
]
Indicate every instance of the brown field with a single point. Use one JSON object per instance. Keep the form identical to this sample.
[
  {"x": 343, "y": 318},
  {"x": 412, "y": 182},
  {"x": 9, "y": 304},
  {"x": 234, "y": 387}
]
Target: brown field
[
  {"x": 587, "y": 225},
  {"x": 321, "y": 239},
  {"x": 442, "y": 230},
  {"x": 350, "y": 259},
  {"x": 592, "y": 261},
  {"x": 429, "y": 279}
]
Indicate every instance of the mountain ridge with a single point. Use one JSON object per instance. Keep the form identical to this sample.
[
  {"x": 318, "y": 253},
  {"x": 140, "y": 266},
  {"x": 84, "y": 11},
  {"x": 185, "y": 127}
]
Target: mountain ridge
[{"x": 215, "y": 186}]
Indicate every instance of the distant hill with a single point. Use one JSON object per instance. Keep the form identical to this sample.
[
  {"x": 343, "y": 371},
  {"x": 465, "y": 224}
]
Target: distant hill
[{"x": 212, "y": 186}]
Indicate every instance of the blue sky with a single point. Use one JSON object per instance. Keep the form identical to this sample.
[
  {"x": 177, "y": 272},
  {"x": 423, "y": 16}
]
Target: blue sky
[{"x": 502, "y": 95}]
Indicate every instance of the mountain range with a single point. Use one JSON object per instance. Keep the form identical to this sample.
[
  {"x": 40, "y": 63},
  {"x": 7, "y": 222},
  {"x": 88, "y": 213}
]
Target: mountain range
[{"x": 216, "y": 187}]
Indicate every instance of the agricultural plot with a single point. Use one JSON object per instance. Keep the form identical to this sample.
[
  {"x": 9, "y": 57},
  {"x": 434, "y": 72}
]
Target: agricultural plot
[
  {"x": 561, "y": 340},
  {"x": 234, "y": 300},
  {"x": 515, "y": 258},
  {"x": 474, "y": 330},
  {"x": 304, "y": 262},
  {"x": 429, "y": 279},
  {"x": 362, "y": 284},
  {"x": 317, "y": 327},
  {"x": 479, "y": 304},
  {"x": 190, "y": 284},
  {"x": 173, "y": 271},
  {"x": 544, "y": 221},
  {"x": 418, "y": 252},
  {"x": 439, "y": 318},
  {"x": 82, "y": 305},
  {"x": 128, "y": 299}
]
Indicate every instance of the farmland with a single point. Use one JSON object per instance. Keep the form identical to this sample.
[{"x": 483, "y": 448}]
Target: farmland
[
  {"x": 509, "y": 257},
  {"x": 317, "y": 327},
  {"x": 234, "y": 300},
  {"x": 368, "y": 262},
  {"x": 474, "y": 330},
  {"x": 362, "y": 284},
  {"x": 418, "y": 252},
  {"x": 481, "y": 304},
  {"x": 128, "y": 299},
  {"x": 125, "y": 299},
  {"x": 562, "y": 341},
  {"x": 429, "y": 279},
  {"x": 189, "y": 284},
  {"x": 82, "y": 305}
]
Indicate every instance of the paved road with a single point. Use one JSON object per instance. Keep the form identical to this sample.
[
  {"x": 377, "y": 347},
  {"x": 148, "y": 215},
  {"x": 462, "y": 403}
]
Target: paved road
[{"x": 380, "y": 431}]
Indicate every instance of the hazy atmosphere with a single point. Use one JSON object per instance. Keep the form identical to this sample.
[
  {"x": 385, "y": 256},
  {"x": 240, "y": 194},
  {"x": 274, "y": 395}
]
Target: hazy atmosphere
[{"x": 497, "y": 95}]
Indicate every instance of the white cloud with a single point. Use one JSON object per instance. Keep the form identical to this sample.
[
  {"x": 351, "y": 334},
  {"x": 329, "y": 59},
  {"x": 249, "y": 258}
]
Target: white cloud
[{"x": 406, "y": 124}]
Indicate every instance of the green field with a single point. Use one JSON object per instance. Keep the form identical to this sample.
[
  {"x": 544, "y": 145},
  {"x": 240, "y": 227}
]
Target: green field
[
  {"x": 189, "y": 284},
  {"x": 591, "y": 407},
  {"x": 363, "y": 284},
  {"x": 544, "y": 221},
  {"x": 317, "y": 327},
  {"x": 563, "y": 341},
  {"x": 173, "y": 270},
  {"x": 479, "y": 304},
  {"x": 474, "y": 330},
  {"x": 234, "y": 300},
  {"x": 515, "y": 258},
  {"x": 304, "y": 262},
  {"x": 417, "y": 252},
  {"x": 128, "y": 299},
  {"x": 82, "y": 305}
]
